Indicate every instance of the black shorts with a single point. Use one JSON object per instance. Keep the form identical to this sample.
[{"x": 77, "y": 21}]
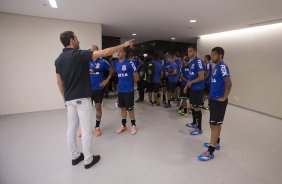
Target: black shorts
[
  {"x": 171, "y": 86},
  {"x": 97, "y": 96},
  {"x": 217, "y": 111},
  {"x": 126, "y": 100},
  {"x": 153, "y": 87},
  {"x": 196, "y": 97},
  {"x": 182, "y": 94},
  {"x": 207, "y": 89}
]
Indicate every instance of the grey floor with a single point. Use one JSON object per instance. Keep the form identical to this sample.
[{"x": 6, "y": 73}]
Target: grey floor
[{"x": 33, "y": 150}]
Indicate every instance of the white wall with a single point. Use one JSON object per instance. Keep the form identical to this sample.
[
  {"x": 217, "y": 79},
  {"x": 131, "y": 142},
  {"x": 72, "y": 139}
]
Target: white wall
[
  {"x": 254, "y": 56},
  {"x": 29, "y": 47}
]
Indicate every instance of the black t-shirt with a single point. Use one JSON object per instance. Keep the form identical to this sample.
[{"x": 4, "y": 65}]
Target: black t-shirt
[{"x": 73, "y": 67}]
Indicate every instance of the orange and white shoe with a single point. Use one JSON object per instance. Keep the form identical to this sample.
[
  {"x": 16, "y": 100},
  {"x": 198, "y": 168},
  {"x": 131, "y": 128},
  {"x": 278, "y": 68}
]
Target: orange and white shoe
[
  {"x": 121, "y": 129},
  {"x": 133, "y": 130},
  {"x": 98, "y": 132}
]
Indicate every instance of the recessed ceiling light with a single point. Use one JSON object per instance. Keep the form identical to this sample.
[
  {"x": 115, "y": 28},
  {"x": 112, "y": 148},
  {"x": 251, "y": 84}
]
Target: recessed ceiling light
[
  {"x": 133, "y": 34},
  {"x": 53, "y": 3},
  {"x": 193, "y": 21},
  {"x": 173, "y": 38}
]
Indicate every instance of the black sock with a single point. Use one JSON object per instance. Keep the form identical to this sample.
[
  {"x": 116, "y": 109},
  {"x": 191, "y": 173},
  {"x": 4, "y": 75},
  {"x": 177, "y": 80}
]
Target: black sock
[
  {"x": 193, "y": 115},
  {"x": 168, "y": 102},
  {"x": 164, "y": 98},
  {"x": 199, "y": 119},
  {"x": 185, "y": 110},
  {"x": 123, "y": 121},
  {"x": 98, "y": 123},
  {"x": 211, "y": 149},
  {"x": 218, "y": 140},
  {"x": 180, "y": 108},
  {"x": 133, "y": 122}
]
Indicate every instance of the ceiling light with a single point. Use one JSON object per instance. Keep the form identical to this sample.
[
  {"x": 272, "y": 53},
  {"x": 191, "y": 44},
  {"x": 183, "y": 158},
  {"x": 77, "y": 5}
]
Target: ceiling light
[
  {"x": 173, "y": 38},
  {"x": 251, "y": 30},
  {"x": 53, "y": 3},
  {"x": 193, "y": 21},
  {"x": 133, "y": 34}
]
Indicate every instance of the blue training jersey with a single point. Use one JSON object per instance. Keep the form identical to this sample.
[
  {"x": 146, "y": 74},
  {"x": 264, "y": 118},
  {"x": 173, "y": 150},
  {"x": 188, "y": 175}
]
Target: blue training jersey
[
  {"x": 217, "y": 80},
  {"x": 196, "y": 66},
  {"x": 97, "y": 69},
  {"x": 208, "y": 67},
  {"x": 157, "y": 71},
  {"x": 172, "y": 66},
  {"x": 185, "y": 73},
  {"x": 165, "y": 63},
  {"x": 125, "y": 72},
  {"x": 179, "y": 65}
]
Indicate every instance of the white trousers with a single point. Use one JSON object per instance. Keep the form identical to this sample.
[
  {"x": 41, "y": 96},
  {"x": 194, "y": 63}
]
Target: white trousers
[{"x": 80, "y": 114}]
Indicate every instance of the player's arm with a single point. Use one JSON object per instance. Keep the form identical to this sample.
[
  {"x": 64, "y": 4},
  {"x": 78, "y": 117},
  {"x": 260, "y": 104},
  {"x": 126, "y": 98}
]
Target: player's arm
[
  {"x": 111, "y": 50},
  {"x": 162, "y": 75},
  {"x": 199, "y": 78},
  {"x": 60, "y": 84},
  {"x": 207, "y": 74},
  {"x": 136, "y": 76},
  {"x": 173, "y": 72},
  {"x": 183, "y": 78},
  {"x": 227, "y": 89},
  {"x": 106, "y": 81}
]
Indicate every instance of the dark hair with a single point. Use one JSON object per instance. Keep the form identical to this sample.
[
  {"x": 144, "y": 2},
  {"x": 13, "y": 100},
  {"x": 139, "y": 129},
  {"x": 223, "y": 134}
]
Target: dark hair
[
  {"x": 130, "y": 53},
  {"x": 208, "y": 57},
  {"x": 219, "y": 51},
  {"x": 193, "y": 47},
  {"x": 169, "y": 53},
  {"x": 177, "y": 54},
  {"x": 156, "y": 56},
  {"x": 65, "y": 37},
  {"x": 141, "y": 57}
]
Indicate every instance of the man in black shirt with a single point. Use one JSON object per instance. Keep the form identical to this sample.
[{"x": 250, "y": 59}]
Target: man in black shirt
[{"x": 72, "y": 69}]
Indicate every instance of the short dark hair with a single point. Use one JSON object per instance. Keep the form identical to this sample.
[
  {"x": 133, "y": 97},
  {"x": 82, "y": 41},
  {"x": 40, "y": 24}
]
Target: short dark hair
[
  {"x": 65, "y": 37},
  {"x": 193, "y": 47},
  {"x": 208, "y": 57},
  {"x": 141, "y": 57},
  {"x": 177, "y": 54},
  {"x": 156, "y": 56},
  {"x": 219, "y": 51},
  {"x": 130, "y": 53}
]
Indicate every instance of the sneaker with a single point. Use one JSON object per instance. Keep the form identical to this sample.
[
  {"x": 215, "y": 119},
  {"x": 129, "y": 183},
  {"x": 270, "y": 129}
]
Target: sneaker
[
  {"x": 206, "y": 108},
  {"x": 122, "y": 129},
  {"x": 179, "y": 110},
  {"x": 137, "y": 101},
  {"x": 167, "y": 105},
  {"x": 133, "y": 130},
  {"x": 191, "y": 125},
  {"x": 206, "y": 156},
  {"x": 196, "y": 132},
  {"x": 217, "y": 147},
  {"x": 94, "y": 161},
  {"x": 77, "y": 160},
  {"x": 164, "y": 102},
  {"x": 185, "y": 114},
  {"x": 98, "y": 132}
]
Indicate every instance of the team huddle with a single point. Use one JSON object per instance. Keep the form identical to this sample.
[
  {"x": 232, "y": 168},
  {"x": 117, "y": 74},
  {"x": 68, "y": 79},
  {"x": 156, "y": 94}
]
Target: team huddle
[{"x": 83, "y": 75}]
